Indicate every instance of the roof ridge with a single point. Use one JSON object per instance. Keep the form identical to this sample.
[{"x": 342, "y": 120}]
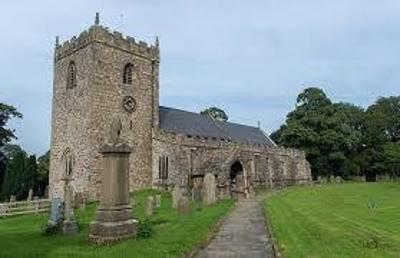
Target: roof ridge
[{"x": 195, "y": 113}]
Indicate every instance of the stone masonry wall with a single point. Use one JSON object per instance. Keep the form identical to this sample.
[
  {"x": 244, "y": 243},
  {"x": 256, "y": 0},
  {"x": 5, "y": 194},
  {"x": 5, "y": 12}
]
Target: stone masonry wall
[
  {"x": 194, "y": 156},
  {"x": 82, "y": 115}
]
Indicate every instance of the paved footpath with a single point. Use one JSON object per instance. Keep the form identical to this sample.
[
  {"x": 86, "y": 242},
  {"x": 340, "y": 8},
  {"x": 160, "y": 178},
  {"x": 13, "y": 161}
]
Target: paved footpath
[{"x": 242, "y": 234}]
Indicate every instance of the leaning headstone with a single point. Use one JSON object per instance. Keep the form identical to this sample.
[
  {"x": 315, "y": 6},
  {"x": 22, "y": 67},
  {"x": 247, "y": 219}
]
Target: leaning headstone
[
  {"x": 158, "y": 201},
  {"x": 30, "y": 195},
  {"x": 56, "y": 212},
  {"x": 183, "y": 205},
  {"x": 114, "y": 221},
  {"x": 177, "y": 193},
  {"x": 150, "y": 206},
  {"x": 209, "y": 188}
]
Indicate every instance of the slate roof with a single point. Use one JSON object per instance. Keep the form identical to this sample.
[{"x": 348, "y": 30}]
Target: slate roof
[{"x": 194, "y": 124}]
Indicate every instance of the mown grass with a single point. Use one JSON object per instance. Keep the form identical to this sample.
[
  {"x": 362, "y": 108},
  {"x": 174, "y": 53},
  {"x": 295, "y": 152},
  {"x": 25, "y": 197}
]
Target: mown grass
[
  {"x": 174, "y": 235},
  {"x": 349, "y": 220}
]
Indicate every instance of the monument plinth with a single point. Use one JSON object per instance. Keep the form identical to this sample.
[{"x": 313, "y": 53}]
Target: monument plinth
[{"x": 114, "y": 220}]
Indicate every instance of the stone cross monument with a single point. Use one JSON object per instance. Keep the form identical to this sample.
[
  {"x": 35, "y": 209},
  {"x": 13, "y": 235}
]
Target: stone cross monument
[
  {"x": 69, "y": 226},
  {"x": 114, "y": 220}
]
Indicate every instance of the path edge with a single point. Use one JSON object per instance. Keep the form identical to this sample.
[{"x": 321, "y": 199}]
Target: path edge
[{"x": 216, "y": 228}]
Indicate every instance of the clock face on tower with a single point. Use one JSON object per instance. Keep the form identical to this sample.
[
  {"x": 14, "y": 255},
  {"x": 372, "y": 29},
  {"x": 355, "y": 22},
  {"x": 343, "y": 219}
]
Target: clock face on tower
[{"x": 129, "y": 104}]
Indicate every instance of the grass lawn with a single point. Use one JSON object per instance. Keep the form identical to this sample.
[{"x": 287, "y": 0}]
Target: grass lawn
[
  {"x": 349, "y": 220},
  {"x": 173, "y": 235}
]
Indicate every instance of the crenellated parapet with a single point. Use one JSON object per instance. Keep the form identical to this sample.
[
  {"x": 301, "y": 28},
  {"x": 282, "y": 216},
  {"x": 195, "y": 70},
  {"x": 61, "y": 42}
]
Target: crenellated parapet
[{"x": 102, "y": 35}]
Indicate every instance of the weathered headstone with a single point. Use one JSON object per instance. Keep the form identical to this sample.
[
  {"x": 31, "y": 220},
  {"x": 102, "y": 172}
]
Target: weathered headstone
[
  {"x": 30, "y": 195},
  {"x": 56, "y": 212},
  {"x": 158, "y": 201},
  {"x": 209, "y": 188},
  {"x": 339, "y": 180},
  {"x": 177, "y": 193},
  {"x": 183, "y": 205},
  {"x": 150, "y": 206},
  {"x": 197, "y": 188},
  {"x": 319, "y": 180},
  {"x": 3, "y": 209},
  {"x": 13, "y": 198},
  {"x": 331, "y": 179},
  {"x": 114, "y": 220},
  {"x": 46, "y": 192},
  {"x": 70, "y": 226}
]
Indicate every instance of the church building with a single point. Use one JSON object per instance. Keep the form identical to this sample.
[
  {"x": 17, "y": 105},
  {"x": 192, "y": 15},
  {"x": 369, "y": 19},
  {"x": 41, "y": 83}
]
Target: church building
[{"x": 101, "y": 75}]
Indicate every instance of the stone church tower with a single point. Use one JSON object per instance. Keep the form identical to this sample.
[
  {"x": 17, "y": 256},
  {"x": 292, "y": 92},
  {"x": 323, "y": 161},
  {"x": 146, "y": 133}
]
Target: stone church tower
[{"x": 100, "y": 75}]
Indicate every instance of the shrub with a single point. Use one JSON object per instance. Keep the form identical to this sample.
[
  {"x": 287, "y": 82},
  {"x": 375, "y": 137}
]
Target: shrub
[{"x": 145, "y": 229}]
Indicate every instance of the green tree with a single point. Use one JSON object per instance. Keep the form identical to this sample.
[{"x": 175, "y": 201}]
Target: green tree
[
  {"x": 13, "y": 176},
  {"x": 215, "y": 113},
  {"x": 6, "y": 113},
  {"x": 43, "y": 172},
  {"x": 330, "y": 133}
]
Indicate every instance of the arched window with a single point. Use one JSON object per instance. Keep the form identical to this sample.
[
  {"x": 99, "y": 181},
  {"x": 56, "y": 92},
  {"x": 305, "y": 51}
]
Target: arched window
[
  {"x": 127, "y": 76},
  {"x": 71, "y": 77},
  {"x": 67, "y": 161}
]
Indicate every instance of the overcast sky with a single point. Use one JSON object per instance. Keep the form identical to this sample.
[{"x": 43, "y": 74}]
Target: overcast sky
[{"x": 251, "y": 57}]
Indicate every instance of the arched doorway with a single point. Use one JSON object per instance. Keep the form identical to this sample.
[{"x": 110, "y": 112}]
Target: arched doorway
[{"x": 236, "y": 179}]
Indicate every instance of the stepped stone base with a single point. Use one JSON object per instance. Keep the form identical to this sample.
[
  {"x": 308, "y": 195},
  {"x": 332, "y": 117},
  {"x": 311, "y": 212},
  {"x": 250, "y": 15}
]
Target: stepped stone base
[{"x": 112, "y": 225}]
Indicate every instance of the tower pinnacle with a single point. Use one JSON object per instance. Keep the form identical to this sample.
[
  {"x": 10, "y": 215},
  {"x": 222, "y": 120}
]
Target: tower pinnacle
[{"x": 97, "y": 19}]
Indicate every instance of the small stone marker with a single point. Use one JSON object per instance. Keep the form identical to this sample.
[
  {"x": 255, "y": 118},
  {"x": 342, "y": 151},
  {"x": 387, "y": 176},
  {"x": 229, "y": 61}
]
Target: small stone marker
[
  {"x": 158, "y": 200},
  {"x": 3, "y": 209},
  {"x": 46, "y": 192},
  {"x": 339, "y": 180},
  {"x": 30, "y": 195},
  {"x": 177, "y": 193},
  {"x": 319, "y": 180},
  {"x": 331, "y": 179},
  {"x": 183, "y": 205},
  {"x": 150, "y": 206},
  {"x": 13, "y": 198},
  {"x": 209, "y": 188},
  {"x": 56, "y": 212}
]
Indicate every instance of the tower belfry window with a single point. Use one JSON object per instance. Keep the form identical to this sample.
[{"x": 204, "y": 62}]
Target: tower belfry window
[
  {"x": 127, "y": 76},
  {"x": 71, "y": 77}
]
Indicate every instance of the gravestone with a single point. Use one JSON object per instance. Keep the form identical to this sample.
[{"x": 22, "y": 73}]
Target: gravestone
[
  {"x": 3, "y": 209},
  {"x": 158, "y": 200},
  {"x": 177, "y": 193},
  {"x": 114, "y": 221},
  {"x": 46, "y": 192},
  {"x": 150, "y": 206},
  {"x": 197, "y": 188},
  {"x": 339, "y": 180},
  {"x": 56, "y": 212},
  {"x": 331, "y": 179},
  {"x": 13, "y": 198},
  {"x": 70, "y": 227},
  {"x": 209, "y": 188},
  {"x": 183, "y": 205},
  {"x": 319, "y": 180},
  {"x": 30, "y": 195}
]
